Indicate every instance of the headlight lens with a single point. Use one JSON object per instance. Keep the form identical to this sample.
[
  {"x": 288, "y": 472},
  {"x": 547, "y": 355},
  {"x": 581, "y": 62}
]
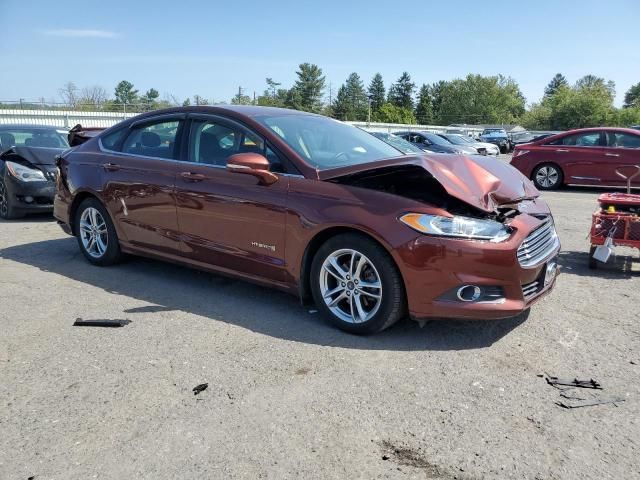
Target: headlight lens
[
  {"x": 25, "y": 174},
  {"x": 457, "y": 226}
]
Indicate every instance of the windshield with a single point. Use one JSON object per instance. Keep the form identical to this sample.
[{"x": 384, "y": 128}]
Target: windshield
[
  {"x": 433, "y": 138},
  {"x": 326, "y": 143},
  {"x": 494, "y": 132},
  {"x": 395, "y": 141},
  {"x": 32, "y": 137},
  {"x": 457, "y": 139}
]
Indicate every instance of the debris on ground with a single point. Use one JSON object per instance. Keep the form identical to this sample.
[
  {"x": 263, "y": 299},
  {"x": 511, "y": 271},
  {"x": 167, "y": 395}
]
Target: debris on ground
[
  {"x": 200, "y": 388},
  {"x": 573, "y": 398},
  {"x": 109, "y": 323},
  {"x": 589, "y": 402},
  {"x": 591, "y": 383},
  {"x": 312, "y": 311}
]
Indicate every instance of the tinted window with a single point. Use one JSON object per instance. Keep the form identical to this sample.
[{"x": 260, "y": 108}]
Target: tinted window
[
  {"x": 112, "y": 140},
  {"x": 153, "y": 140},
  {"x": 589, "y": 139},
  {"x": 327, "y": 143},
  {"x": 623, "y": 140},
  {"x": 212, "y": 143},
  {"x": 32, "y": 137}
]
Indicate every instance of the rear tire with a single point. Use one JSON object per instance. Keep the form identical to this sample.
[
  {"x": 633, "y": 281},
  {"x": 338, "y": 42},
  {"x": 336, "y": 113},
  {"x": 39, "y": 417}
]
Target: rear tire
[
  {"x": 547, "y": 176},
  {"x": 8, "y": 211},
  {"x": 356, "y": 284},
  {"x": 96, "y": 234}
]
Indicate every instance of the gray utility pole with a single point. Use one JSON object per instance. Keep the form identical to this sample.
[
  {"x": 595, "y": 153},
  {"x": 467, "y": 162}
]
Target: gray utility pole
[
  {"x": 369, "y": 112},
  {"x": 240, "y": 94}
]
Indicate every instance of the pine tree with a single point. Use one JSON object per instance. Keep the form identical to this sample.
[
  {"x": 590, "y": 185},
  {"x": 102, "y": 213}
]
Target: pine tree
[
  {"x": 556, "y": 82},
  {"x": 632, "y": 97},
  {"x": 401, "y": 92},
  {"x": 376, "y": 93},
  {"x": 308, "y": 88},
  {"x": 424, "y": 109}
]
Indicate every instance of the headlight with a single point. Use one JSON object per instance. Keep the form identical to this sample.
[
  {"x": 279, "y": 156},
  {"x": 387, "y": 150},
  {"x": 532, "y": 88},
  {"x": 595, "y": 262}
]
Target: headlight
[
  {"x": 458, "y": 227},
  {"x": 25, "y": 174}
]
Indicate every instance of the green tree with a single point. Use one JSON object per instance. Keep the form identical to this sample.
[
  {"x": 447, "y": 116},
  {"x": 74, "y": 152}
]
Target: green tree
[
  {"x": 186, "y": 103},
  {"x": 294, "y": 100},
  {"x": 308, "y": 89},
  {"x": 150, "y": 99},
  {"x": 125, "y": 93},
  {"x": 198, "y": 100},
  {"x": 352, "y": 102},
  {"x": 632, "y": 97},
  {"x": 272, "y": 86},
  {"x": 477, "y": 99},
  {"x": 376, "y": 93},
  {"x": 436, "y": 95},
  {"x": 424, "y": 108},
  {"x": 241, "y": 100},
  {"x": 390, "y": 113},
  {"x": 556, "y": 82},
  {"x": 401, "y": 92}
]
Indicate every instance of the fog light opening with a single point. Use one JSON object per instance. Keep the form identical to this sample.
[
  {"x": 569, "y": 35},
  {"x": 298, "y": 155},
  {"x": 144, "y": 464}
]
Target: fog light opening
[
  {"x": 469, "y": 293},
  {"x": 28, "y": 199}
]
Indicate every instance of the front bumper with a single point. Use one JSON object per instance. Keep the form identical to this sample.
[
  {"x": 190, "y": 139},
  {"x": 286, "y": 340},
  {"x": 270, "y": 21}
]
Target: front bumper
[
  {"x": 435, "y": 268},
  {"x": 30, "y": 196}
]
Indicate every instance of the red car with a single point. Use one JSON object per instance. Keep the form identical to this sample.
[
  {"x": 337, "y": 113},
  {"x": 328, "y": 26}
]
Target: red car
[
  {"x": 314, "y": 207},
  {"x": 589, "y": 156}
]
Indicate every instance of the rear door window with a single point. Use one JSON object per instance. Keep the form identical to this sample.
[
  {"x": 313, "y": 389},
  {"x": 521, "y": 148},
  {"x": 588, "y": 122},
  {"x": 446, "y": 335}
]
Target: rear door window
[
  {"x": 586, "y": 139},
  {"x": 622, "y": 140},
  {"x": 156, "y": 139}
]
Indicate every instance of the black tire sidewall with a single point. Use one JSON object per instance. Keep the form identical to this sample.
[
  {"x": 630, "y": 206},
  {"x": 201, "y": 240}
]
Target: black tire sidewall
[
  {"x": 12, "y": 212},
  {"x": 557, "y": 185},
  {"x": 393, "y": 294},
  {"x": 112, "y": 255}
]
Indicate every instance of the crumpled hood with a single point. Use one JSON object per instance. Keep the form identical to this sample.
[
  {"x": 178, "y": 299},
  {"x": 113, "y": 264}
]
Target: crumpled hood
[
  {"x": 37, "y": 155},
  {"x": 480, "y": 181}
]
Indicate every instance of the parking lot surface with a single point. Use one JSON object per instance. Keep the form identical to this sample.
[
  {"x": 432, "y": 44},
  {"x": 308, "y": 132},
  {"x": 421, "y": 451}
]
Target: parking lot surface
[{"x": 288, "y": 395}]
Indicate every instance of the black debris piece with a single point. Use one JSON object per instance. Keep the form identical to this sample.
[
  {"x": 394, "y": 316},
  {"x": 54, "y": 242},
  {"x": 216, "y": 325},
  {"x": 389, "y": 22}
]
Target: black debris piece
[
  {"x": 200, "y": 388},
  {"x": 574, "y": 382},
  {"x": 108, "y": 323},
  {"x": 385, "y": 457},
  {"x": 589, "y": 402}
]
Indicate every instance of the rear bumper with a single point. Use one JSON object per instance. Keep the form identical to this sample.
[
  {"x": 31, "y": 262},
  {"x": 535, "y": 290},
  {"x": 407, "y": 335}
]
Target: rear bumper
[
  {"x": 30, "y": 196},
  {"x": 434, "y": 269}
]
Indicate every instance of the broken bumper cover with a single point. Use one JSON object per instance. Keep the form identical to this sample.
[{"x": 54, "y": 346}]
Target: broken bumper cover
[{"x": 480, "y": 280}]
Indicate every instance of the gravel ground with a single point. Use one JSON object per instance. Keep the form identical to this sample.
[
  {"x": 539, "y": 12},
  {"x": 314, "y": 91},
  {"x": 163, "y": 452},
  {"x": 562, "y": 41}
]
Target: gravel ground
[{"x": 291, "y": 397}]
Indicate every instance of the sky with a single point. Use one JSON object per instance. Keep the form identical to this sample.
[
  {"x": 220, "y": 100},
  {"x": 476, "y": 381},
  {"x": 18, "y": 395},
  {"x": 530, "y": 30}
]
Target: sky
[{"x": 212, "y": 47}]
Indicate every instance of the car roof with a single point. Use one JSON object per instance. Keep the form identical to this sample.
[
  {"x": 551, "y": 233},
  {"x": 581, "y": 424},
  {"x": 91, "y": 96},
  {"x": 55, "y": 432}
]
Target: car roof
[{"x": 243, "y": 110}]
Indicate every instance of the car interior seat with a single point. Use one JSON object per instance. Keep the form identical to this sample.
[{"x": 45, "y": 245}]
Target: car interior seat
[{"x": 7, "y": 140}]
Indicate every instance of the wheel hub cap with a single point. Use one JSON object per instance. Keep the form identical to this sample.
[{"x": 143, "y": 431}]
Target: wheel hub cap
[{"x": 93, "y": 232}]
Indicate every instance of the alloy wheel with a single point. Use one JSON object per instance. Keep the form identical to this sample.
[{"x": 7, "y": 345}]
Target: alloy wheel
[
  {"x": 350, "y": 286},
  {"x": 547, "y": 176},
  {"x": 93, "y": 232}
]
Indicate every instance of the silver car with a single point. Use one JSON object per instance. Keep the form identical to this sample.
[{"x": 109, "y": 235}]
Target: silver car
[{"x": 463, "y": 140}]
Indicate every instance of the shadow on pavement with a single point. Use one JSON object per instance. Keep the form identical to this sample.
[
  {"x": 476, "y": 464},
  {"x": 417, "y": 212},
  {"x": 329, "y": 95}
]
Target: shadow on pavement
[
  {"x": 173, "y": 288},
  {"x": 619, "y": 267}
]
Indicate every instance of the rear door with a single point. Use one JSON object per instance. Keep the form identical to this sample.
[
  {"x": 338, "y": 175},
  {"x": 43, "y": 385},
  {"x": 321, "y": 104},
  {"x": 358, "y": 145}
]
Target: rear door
[
  {"x": 229, "y": 220},
  {"x": 623, "y": 154},
  {"x": 139, "y": 167}
]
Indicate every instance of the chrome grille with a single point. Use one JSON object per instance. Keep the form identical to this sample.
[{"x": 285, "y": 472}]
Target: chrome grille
[{"x": 539, "y": 244}]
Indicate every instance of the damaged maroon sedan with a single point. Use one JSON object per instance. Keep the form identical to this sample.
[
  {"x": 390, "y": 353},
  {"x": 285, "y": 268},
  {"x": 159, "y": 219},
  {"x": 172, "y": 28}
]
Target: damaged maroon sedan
[{"x": 314, "y": 207}]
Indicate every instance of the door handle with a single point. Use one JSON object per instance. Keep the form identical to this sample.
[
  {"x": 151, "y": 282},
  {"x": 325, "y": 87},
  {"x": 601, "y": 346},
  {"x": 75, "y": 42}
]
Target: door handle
[
  {"x": 562, "y": 150},
  {"x": 192, "y": 177},
  {"x": 111, "y": 167},
  {"x": 612, "y": 154}
]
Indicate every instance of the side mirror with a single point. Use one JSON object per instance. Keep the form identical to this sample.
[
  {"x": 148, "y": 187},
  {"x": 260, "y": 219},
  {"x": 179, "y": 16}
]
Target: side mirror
[{"x": 252, "y": 164}]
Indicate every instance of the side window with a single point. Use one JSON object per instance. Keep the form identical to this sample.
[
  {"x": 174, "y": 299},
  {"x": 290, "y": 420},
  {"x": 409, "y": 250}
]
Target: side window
[
  {"x": 590, "y": 139},
  {"x": 112, "y": 140},
  {"x": 153, "y": 140},
  {"x": 212, "y": 143},
  {"x": 623, "y": 140}
]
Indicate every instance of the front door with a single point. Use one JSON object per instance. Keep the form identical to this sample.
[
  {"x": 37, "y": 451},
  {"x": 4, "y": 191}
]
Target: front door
[
  {"x": 581, "y": 157},
  {"x": 139, "y": 178},
  {"x": 229, "y": 220}
]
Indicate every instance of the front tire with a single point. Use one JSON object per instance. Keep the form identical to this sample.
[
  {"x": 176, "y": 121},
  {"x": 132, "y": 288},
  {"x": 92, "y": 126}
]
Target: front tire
[
  {"x": 356, "y": 284},
  {"x": 96, "y": 234},
  {"x": 7, "y": 210},
  {"x": 547, "y": 176}
]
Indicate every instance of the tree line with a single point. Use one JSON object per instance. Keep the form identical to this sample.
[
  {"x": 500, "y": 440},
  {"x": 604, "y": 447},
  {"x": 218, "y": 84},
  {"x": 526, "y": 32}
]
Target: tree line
[{"x": 475, "y": 99}]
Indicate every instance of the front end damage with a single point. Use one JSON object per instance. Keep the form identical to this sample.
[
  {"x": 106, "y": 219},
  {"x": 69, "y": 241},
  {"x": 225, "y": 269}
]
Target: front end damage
[{"x": 454, "y": 276}]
